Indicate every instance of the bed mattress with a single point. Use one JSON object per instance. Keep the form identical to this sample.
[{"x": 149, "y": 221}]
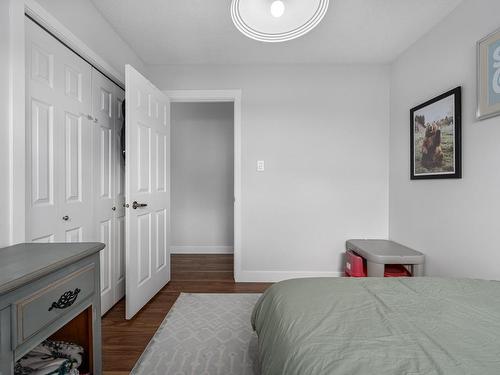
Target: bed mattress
[{"x": 379, "y": 326}]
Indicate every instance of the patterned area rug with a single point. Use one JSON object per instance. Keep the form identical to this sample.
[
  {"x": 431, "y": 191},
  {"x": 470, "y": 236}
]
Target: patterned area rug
[{"x": 204, "y": 334}]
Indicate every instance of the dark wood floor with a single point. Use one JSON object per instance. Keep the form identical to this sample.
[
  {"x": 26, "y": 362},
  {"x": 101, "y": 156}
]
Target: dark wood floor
[{"x": 124, "y": 341}]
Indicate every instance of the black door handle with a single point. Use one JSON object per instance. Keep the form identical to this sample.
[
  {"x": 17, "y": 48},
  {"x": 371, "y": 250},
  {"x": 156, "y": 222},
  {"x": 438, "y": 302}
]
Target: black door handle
[{"x": 136, "y": 205}]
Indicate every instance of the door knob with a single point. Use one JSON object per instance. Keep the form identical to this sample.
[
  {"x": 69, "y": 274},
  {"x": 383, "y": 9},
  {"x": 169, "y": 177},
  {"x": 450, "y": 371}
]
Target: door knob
[
  {"x": 136, "y": 205},
  {"x": 113, "y": 208},
  {"x": 65, "y": 218}
]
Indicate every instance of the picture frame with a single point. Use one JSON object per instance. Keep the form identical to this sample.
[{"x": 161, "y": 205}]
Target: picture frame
[
  {"x": 488, "y": 76},
  {"x": 436, "y": 137}
]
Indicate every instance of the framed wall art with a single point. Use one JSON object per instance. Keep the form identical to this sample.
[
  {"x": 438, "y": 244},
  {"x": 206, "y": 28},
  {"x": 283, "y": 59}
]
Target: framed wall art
[
  {"x": 435, "y": 134},
  {"x": 488, "y": 76}
]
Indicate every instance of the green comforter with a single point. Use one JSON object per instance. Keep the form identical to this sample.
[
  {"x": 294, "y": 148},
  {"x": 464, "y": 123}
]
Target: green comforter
[{"x": 379, "y": 326}]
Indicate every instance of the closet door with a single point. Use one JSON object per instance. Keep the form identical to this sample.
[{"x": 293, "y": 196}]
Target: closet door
[
  {"x": 58, "y": 103},
  {"x": 119, "y": 221},
  {"x": 75, "y": 168},
  {"x": 104, "y": 113}
]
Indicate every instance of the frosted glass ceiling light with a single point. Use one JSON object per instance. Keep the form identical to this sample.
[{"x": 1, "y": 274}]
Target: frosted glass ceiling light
[
  {"x": 277, "y": 8},
  {"x": 278, "y": 20}
]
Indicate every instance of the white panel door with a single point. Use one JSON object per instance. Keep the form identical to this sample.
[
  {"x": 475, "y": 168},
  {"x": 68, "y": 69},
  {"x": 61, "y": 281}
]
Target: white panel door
[
  {"x": 58, "y": 89},
  {"x": 147, "y": 190},
  {"x": 119, "y": 221},
  {"x": 41, "y": 103},
  {"x": 104, "y": 113},
  {"x": 75, "y": 164}
]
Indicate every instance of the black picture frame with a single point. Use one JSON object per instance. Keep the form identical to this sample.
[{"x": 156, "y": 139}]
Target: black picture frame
[{"x": 430, "y": 140}]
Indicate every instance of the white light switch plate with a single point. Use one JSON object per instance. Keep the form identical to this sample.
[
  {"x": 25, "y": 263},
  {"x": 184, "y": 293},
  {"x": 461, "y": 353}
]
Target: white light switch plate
[{"x": 260, "y": 166}]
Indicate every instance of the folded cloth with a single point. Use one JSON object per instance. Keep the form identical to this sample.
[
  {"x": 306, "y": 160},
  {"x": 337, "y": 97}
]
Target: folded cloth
[{"x": 51, "y": 357}]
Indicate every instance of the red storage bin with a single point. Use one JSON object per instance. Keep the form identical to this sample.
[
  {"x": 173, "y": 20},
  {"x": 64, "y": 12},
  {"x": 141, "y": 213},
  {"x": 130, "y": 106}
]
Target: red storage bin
[
  {"x": 355, "y": 266},
  {"x": 396, "y": 270}
]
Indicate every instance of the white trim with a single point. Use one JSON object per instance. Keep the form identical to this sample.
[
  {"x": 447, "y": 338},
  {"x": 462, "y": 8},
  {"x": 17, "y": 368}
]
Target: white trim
[
  {"x": 201, "y": 249},
  {"x": 196, "y": 96},
  {"x": 49, "y": 22},
  {"x": 17, "y": 138},
  {"x": 277, "y": 276},
  {"x": 200, "y": 96}
]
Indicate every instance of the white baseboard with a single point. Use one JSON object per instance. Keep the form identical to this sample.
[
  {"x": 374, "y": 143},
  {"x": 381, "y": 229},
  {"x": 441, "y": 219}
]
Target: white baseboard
[
  {"x": 277, "y": 276},
  {"x": 201, "y": 250}
]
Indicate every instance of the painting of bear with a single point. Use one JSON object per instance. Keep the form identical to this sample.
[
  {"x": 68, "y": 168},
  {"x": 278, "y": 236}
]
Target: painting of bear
[{"x": 436, "y": 137}]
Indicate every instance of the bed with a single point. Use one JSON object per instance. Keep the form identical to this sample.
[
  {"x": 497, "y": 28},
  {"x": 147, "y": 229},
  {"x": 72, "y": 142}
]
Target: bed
[{"x": 379, "y": 326}]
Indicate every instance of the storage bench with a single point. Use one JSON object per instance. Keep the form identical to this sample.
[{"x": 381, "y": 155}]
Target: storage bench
[{"x": 378, "y": 253}]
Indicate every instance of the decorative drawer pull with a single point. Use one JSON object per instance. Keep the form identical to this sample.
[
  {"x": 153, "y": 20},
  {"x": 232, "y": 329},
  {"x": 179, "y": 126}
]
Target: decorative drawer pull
[{"x": 66, "y": 300}]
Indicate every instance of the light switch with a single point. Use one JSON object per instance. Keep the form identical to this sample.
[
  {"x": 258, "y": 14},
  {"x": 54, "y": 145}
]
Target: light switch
[{"x": 260, "y": 166}]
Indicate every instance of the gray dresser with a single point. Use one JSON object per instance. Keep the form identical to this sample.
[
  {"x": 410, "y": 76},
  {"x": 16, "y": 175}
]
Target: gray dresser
[{"x": 50, "y": 290}]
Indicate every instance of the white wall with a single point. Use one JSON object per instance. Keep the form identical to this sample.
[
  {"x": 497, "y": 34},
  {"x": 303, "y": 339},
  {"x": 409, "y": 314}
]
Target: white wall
[
  {"x": 323, "y": 133},
  {"x": 202, "y": 181},
  {"x": 83, "y": 19},
  {"x": 12, "y": 159},
  {"x": 455, "y": 223}
]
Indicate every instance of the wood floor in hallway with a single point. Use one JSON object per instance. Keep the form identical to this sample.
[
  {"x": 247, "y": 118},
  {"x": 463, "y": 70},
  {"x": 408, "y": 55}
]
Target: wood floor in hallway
[{"x": 123, "y": 341}]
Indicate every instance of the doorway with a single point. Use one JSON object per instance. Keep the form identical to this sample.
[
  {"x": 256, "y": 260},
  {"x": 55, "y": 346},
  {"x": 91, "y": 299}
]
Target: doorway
[
  {"x": 204, "y": 118},
  {"x": 202, "y": 178}
]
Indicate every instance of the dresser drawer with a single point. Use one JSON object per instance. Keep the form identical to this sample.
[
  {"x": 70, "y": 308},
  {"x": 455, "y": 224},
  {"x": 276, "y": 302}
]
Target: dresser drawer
[{"x": 47, "y": 304}]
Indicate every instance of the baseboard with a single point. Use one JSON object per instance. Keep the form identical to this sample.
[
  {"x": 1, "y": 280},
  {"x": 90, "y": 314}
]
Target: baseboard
[
  {"x": 277, "y": 276},
  {"x": 201, "y": 250}
]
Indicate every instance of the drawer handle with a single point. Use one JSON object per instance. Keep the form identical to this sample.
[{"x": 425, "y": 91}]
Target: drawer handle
[{"x": 66, "y": 300}]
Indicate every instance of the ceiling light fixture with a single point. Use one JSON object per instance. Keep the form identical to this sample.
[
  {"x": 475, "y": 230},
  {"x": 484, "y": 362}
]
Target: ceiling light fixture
[{"x": 278, "y": 20}]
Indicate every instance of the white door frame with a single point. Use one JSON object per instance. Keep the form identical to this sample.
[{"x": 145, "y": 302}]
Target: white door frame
[
  {"x": 17, "y": 124},
  {"x": 217, "y": 96}
]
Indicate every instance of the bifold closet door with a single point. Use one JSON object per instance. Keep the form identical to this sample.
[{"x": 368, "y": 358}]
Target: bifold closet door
[
  {"x": 76, "y": 174},
  {"x": 109, "y": 178},
  {"x": 119, "y": 220},
  {"x": 147, "y": 190},
  {"x": 104, "y": 113},
  {"x": 58, "y": 106}
]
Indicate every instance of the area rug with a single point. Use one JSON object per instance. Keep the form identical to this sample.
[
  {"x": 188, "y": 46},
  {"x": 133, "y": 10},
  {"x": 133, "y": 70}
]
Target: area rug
[{"x": 204, "y": 334}]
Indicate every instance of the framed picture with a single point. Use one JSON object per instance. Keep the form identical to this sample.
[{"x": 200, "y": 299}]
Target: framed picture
[
  {"x": 435, "y": 134},
  {"x": 488, "y": 76}
]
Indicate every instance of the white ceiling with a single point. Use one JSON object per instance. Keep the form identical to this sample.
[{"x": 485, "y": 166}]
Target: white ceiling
[{"x": 201, "y": 31}]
